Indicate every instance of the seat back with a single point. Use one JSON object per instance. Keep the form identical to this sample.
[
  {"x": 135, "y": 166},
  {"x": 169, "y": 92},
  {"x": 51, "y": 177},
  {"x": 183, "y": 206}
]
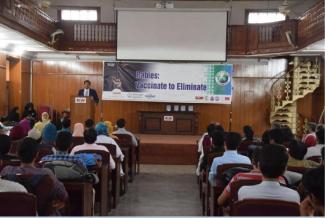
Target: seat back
[
  {"x": 262, "y": 207},
  {"x": 235, "y": 186},
  {"x": 17, "y": 204},
  {"x": 317, "y": 159},
  {"x": 40, "y": 185},
  {"x": 14, "y": 147},
  {"x": 110, "y": 147},
  {"x": 301, "y": 170},
  {"x": 77, "y": 141},
  {"x": 124, "y": 139}
]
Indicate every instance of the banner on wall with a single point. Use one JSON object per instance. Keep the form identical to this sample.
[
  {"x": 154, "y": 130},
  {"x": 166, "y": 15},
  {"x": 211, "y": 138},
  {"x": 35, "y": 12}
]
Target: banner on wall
[{"x": 163, "y": 82}]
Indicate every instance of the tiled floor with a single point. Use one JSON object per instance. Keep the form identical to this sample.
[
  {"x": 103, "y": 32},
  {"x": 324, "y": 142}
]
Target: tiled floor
[{"x": 161, "y": 190}]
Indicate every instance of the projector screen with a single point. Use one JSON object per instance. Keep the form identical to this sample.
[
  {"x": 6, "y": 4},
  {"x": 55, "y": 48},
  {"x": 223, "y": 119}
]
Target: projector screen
[{"x": 174, "y": 35}]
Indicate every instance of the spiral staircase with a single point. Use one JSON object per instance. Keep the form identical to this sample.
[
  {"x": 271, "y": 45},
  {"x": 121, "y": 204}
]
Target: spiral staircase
[{"x": 302, "y": 79}]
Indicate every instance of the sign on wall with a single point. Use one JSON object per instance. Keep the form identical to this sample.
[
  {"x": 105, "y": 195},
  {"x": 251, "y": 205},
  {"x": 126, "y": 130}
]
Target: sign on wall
[{"x": 162, "y": 82}]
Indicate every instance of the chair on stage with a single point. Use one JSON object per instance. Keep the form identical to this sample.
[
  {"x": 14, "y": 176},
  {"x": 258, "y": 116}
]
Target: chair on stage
[
  {"x": 17, "y": 204},
  {"x": 263, "y": 207}
]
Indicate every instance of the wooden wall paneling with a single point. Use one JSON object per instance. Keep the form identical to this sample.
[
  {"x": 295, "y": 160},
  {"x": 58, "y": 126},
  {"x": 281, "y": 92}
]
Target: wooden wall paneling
[
  {"x": 3, "y": 85},
  {"x": 25, "y": 81},
  {"x": 15, "y": 84}
]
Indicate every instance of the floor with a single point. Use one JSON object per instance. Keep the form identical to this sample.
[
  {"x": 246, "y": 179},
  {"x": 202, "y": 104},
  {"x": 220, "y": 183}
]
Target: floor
[
  {"x": 168, "y": 139},
  {"x": 161, "y": 190}
]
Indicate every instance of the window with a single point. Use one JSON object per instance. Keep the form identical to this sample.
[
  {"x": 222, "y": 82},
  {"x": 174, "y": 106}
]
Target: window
[
  {"x": 255, "y": 17},
  {"x": 79, "y": 14}
]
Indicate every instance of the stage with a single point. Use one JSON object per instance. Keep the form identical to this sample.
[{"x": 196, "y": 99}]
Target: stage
[{"x": 168, "y": 149}]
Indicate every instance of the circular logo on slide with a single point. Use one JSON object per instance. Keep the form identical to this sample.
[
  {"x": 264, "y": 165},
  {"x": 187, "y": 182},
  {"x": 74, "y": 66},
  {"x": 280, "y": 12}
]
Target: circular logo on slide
[{"x": 222, "y": 78}]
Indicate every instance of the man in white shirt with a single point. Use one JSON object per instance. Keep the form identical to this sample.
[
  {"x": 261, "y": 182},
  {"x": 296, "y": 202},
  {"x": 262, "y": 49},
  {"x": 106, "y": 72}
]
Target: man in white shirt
[
  {"x": 230, "y": 156},
  {"x": 121, "y": 130},
  {"x": 90, "y": 137},
  {"x": 316, "y": 150},
  {"x": 273, "y": 162}
]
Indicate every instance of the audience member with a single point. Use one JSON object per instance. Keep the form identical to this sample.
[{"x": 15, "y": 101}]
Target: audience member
[
  {"x": 297, "y": 151},
  {"x": 287, "y": 136},
  {"x": 217, "y": 147},
  {"x": 27, "y": 154},
  {"x": 90, "y": 137},
  {"x": 276, "y": 136},
  {"x": 16, "y": 133},
  {"x": 230, "y": 156},
  {"x": 316, "y": 150},
  {"x": 29, "y": 110},
  {"x": 254, "y": 174},
  {"x": 121, "y": 130},
  {"x": 25, "y": 123},
  {"x": 272, "y": 163},
  {"x": 89, "y": 123},
  {"x": 44, "y": 121},
  {"x": 102, "y": 137},
  {"x": 266, "y": 138},
  {"x": 5, "y": 185},
  {"x": 313, "y": 182},
  {"x": 248, "y": 140},
  {"x": 13, "y": 115},
  {"x": 65, "y": 123},
  {"x": 78, "y": 130},
  {"x": 35, "y": 133},
  {"x": 62, "y": 145},
  {"x": 310, "y": 138},
  {"x": 48, "y": 135},
  {"x": 111, "y": 129}
]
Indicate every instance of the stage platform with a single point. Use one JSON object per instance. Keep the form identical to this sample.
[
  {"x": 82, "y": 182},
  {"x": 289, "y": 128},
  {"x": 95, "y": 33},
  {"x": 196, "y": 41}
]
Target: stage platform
[{"x": 168, "y": 149}]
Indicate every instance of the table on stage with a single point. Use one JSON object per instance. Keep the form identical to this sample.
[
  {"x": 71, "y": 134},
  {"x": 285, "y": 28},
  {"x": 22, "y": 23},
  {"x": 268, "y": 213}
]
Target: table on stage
[{"x": 168, "y": 123}]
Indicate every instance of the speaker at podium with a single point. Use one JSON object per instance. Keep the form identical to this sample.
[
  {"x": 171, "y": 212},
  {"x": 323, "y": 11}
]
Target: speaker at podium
[{"x": 82, "y": 108}]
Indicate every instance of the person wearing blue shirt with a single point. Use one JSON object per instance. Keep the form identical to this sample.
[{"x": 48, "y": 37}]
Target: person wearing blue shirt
[
  {"x": 65, "y": 123},
  {"x": 229, "y": 156}
]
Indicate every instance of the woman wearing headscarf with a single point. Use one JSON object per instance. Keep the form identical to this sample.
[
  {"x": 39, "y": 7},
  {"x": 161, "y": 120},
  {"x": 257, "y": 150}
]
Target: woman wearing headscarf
[
  {"x": 16, "y": 133},
  {"x": 44, "y": 121},
  {"x": 78, "y": 130},
  {"x": 110, "y": 129},
  {"x": 25, "y": 123},
  {"x": 48, "y": 135},
  {"x": 34, "y": 133}
]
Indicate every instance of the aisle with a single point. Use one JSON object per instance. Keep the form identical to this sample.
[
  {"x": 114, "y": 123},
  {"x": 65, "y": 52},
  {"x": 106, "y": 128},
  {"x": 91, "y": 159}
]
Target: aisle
[{"x": 161, "y": 190}]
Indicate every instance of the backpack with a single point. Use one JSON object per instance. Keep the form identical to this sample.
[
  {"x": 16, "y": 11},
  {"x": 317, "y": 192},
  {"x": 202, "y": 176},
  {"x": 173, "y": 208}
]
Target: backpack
[{"x": 67, "y": 170}]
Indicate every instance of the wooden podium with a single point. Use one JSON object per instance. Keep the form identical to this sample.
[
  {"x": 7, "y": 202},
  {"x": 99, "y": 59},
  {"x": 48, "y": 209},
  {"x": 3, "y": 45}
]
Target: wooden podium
[{"x": 82, "y": 108}]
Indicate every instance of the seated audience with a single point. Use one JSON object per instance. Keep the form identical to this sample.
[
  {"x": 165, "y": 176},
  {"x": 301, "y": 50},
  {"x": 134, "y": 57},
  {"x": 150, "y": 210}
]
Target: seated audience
[
  {"x": 27, "y": 154},
  {"x": 254, "y": 174},
  {"x": 217, "y": 147},
  {"x": 13, "y": 115},
  {"x": 16, "y": 133},
  {"x": 89, "y": 123},
  {"x": 247, "y": 140},
  {"x": 65, "y": 123},
  {"x": 35, "y": 133},
  {"x": 62, "y": 145},
  {"x": 44, "y": 121},
  {"x": 78, "y": 130},
  {"x": 102, "y": 137},
  {"x": 276, "y": 136},
  {"x": 297, "y": 151},
  {"x": 313, "y": 183},
  {"x": 310, "y": 138},
  {"x": 266, "y": 138},
  {"x": 206, "y": 138},
  {"x": 29, "y": 110},
  {"x": 287, "y": 136},
  {"x": 121, "y": 130},
  {"x": 316, "y": 150},
  {"x": 25, "y": 123},
  {"x": 272, "y": 162},
  {"x": 90, "y": 137},
  {"x": 48, "y": 135},
  {"x": 111, "y": 129},
  {"x": 230, "y": 156},
  {"x": 5, "y": 185}
]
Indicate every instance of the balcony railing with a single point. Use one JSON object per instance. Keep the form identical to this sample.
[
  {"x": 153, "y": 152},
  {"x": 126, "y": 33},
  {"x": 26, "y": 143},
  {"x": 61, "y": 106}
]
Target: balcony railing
[
  {"x": 26, "y": 17},
  {"x": 88, "y": 36}
]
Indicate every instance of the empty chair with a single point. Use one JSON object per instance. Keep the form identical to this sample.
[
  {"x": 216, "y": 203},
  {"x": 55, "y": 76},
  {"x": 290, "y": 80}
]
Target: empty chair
[
  {"x": 17, "y": 204},
  {"x": 261, "y": 207}
]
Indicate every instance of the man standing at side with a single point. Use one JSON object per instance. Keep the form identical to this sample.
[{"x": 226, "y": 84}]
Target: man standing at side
[{"x": 87, "y": 91}]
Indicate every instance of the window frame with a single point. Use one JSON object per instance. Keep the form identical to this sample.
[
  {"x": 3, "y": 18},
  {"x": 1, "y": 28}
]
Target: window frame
[
  {"x": 79, "y": 8},
  {"x": 247, "y": 11}
]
